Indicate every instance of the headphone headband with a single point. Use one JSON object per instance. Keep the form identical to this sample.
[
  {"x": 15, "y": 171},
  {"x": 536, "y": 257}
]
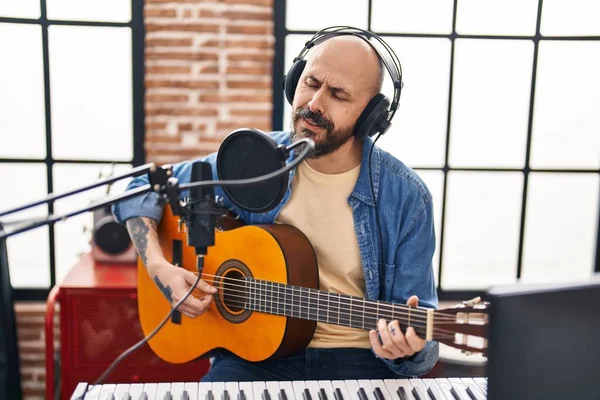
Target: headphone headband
[{"x": 387, "y": 56}]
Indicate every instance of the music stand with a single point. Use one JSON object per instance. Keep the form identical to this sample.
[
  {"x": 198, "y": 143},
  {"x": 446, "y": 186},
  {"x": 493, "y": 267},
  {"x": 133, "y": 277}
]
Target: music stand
[{"x": 10, "y": 377}]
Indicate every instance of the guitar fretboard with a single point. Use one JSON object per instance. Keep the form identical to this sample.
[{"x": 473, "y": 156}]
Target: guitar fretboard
[{"x": 322, "y": 306}]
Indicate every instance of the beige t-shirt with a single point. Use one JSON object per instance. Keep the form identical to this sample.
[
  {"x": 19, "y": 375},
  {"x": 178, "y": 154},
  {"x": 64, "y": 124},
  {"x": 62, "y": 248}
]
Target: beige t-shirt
[{"x": 319, "y": 208}]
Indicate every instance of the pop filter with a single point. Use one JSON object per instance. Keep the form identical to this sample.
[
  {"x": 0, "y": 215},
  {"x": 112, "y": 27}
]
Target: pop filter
[{"x": 249, "y": 153}]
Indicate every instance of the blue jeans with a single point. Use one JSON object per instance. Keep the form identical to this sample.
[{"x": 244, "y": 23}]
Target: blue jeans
[{"x": 310, "y": 364}]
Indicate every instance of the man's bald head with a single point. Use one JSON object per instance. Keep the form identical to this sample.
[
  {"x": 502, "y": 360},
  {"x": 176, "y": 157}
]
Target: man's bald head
[{"x": 354, "y": 51}]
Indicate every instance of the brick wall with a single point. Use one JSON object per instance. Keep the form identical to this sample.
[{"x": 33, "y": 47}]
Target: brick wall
[{"x": 208, "y": 72}]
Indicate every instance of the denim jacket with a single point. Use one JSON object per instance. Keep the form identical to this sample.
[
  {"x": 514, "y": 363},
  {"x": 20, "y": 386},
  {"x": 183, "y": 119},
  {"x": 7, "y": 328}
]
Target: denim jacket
[{"x": 407, "y": 230}]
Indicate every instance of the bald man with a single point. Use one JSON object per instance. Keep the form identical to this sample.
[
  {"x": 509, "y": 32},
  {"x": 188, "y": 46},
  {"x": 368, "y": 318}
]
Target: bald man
[{"x": 331, "y": 201}]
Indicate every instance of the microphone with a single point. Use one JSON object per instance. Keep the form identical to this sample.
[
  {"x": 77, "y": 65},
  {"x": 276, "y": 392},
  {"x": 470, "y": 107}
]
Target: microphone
[
  {"x": 250, "y": 153},
  {"x": 202, "y": 209}
]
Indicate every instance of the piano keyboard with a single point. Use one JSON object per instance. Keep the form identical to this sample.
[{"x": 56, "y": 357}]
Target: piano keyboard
[{"x": 386, "y": 389}]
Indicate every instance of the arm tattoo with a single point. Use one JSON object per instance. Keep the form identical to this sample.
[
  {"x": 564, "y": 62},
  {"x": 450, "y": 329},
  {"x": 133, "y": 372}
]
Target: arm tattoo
[
  {"x": 166, "y": 290},
  {"x": 139, "y": 235}
]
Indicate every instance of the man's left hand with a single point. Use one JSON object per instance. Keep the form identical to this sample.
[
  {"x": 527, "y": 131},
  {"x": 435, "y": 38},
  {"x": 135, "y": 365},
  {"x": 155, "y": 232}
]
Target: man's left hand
[{"x": 395, "y": 343}]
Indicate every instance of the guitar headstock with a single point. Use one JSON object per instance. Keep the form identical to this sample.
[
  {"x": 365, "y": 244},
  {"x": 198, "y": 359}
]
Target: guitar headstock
[{"x": 463, "y": 326}]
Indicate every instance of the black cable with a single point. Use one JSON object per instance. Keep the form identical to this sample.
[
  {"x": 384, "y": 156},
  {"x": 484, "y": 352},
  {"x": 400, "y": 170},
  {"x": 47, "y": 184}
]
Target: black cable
[
  {"x": 375, "y": 199},
  {"x": 141, "y": 342}
]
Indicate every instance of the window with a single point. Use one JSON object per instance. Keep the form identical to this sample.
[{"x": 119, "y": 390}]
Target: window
[
  {"x": 499, "y": 117},
  {"x": 71, "y": 111}
]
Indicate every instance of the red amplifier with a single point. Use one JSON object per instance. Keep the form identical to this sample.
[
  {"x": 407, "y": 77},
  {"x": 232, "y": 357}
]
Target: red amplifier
[{"x": 98, "y": 321}]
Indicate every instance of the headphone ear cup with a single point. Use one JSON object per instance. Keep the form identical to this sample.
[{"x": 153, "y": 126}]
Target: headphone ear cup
[
  {"x": 374, "y": 115},
  {"x": 290, "y": 80}
]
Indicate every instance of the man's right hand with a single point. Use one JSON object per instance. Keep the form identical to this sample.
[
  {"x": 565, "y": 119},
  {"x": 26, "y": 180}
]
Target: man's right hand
[{"x": 174, "y": 282}]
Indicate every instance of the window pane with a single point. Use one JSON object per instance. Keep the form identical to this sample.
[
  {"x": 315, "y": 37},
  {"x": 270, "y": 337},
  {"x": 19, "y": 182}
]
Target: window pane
[
  {"x": 570, "y": 18},
  {"x": 20, "y": 9},
  {"x": 490, "y": 103},
  {"x": 28, "y": 254},
  {"x": 22, "y": 120},
  {"x": 293, "y": 46},
  {"x": 566, "y": 123},
  {"x": 91, "y": 92},
  {"x": 481, "y": 236},
  {"x": 407, "y": 16},
  {"x": 71, "y": 240},
  {"x": 560, "y": 227},
  {"x": 435, "y": 183},
  {"x": 77, "y": 10},
  {"x": 313, "y": 15},
  {"x": 500, "y": 17},
  {"x": 418, "y": 132}
]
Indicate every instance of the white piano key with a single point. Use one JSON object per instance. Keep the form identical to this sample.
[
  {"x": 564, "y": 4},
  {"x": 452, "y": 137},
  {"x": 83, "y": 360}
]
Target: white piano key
[
  {"x": 107, "y": 390},
  {"x": 299, "y": 387},
  {"x": 352, "y": 386},
  {"x": 135, "y": 390},
  {"x": 446, "y": 387},
  {"x": 430, "y": 382},
  {"x": 313, "y": 388},
  {"x": 163, "y": 388},
  {"x": 93, "y": 393},
  {"x": 120, "y": 390},
  {"x": 328, "y": 388},
  {"x": 408, "y": 387},
  {"x": 273, "y": 389},
  {"x": 339, "y": 384},
  {"x": 192, "y": 390},
  {"x": 482, "y": 383},
  {"x": 150, "y": 390},
  {"x": 232, "y": 390},
  {"x": 378, "y": 383},
  {"x": 217, "y": 389},
  {"x": 460, "y": 389},
  {"x": 177, "y": 389},
  {"x": 203, "y": 388},
  {"x": 288, "y": 388},
  {"x": 420, "y": 387},
  {"x": 246, "y": 387},
  {"x": 258, "y": 389},
  {"x": 79, "y": 391},
  {"x": 473, "y": 388},
  {"x": 368, "y": 388}
]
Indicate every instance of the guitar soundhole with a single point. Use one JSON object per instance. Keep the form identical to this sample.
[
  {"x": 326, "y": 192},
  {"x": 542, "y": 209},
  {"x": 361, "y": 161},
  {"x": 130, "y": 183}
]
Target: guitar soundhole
[{"x": 232, "y": 296}]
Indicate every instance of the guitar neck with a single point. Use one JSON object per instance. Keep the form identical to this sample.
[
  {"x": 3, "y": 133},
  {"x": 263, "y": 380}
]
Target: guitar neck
[{"x": 332, "y": 308}]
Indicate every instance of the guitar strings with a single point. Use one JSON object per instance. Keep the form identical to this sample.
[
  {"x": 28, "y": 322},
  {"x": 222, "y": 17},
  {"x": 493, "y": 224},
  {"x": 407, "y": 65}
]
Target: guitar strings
[
  {"x": 263, "y": 290},
  {"x": 260, "y": 291},
  {"x": 340, "y": 321},
  {"x": 414, "y": 312}
]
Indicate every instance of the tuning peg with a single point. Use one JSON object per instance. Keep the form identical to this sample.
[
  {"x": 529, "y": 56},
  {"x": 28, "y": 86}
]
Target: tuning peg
[{"x": 472, "y": 302}]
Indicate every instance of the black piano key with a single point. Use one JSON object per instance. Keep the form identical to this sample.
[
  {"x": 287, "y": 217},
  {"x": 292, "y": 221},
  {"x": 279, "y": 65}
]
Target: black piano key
[
  {"x": 282, "y": 395},
  {"x": 378, "y": 394},
  {"x": 322, "y": 394},
  {"x": 110, "y": 396},
  {"x": 210, "y": 395},
  {"x": 241, "y": 395},
  {"x": 474, "y": 394},
  {"x": 362, "y": 395},
  {"x": 420, "y": 393},
  {"x": 266, "y": 395},
  {"x": 168, "y": 396},
  {"x": 126, "y": 396},
  {"x": 306, "y": 395},
  {"x": 458, "y": 394},
  {"x": 143, "y": 396},
  {"x": 434, "y": 393},
  {"x": 403, "y": 393},
  {"x": 185, "y": 395},
  {"x": 225, "y": 395},
  {"x": 338, "y": 394}
]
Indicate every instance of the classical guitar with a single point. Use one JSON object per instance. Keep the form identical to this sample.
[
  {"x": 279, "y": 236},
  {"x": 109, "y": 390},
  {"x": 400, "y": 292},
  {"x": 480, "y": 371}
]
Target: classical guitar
[{"x": 268, "y": 302}]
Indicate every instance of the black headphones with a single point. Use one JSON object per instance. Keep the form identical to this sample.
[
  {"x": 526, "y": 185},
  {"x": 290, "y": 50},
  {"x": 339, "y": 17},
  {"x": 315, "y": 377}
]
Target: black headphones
[{"x": 378, "y": 114}]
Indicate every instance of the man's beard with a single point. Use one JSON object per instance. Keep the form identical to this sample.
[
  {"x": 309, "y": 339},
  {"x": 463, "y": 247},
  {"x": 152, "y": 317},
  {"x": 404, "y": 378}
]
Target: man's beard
[{"x": 332, "y": 140}]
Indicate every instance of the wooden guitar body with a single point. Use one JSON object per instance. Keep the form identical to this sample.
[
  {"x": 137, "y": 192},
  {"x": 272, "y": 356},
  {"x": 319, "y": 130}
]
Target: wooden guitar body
[{"x": 276, "y": 253}]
